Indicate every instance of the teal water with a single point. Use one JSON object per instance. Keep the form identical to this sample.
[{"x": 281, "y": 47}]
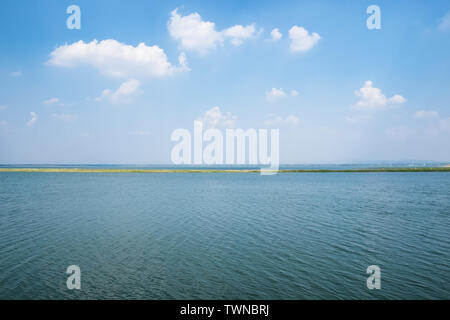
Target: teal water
[{"x": 224, "y": 236}]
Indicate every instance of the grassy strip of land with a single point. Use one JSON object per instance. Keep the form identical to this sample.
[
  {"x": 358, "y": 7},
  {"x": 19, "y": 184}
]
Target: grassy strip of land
[{"x": 89, "y": 170}]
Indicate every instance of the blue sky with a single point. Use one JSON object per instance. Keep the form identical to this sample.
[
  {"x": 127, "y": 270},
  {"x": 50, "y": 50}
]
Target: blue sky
[{"x": 337, "y": 91}]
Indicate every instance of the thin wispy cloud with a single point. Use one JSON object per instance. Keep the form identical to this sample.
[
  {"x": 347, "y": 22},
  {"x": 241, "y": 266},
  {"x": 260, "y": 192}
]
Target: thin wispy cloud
[
  {"x": 34, "y": 118},
  {"x": 275, "y": 94},
  {"x": 279, "y": 120},
  {"x": 278, "y": 93},
  {"x": 51, "y": 101},
  {"x": 124, "y": 94},
  {"x": 444, "y": 24},
  {"x": 423, "y": 114},
  {"x": 56, "y": 102}
]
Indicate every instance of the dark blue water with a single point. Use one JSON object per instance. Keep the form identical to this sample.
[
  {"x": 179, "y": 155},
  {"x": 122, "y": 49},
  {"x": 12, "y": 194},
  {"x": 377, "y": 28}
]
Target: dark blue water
[{"x": 225, "y": 235}]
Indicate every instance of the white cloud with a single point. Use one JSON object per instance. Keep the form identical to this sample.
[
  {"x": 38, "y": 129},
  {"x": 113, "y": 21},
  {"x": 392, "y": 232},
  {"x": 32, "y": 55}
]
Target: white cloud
[
  {"x": 397, "y": 99},
  {"x": 16, "y": 74},
  {"x": 56, "y": 101},
  {"x": 33, "y": 119},
  {"x": 182, "y": 60},
  {"x": 301, "y": 40},
  {"x": 116, "y": 59},
  {"x": 51, "y": 101},
  {"x": 426, "y": 114},
  {"x": 239, "y": 33},
  {"x": 275, "y": 94},
  {"x": 123, "y": 94},
  {"x": 2, "y": 107},
  {"x": 371, "y": 98},
  {"x": 194, "y": 33},
  {"x": 214, "y": 118},
  {"x": 275, "y": 35},
  {"x": 278, "y": 120},
  {"x": 63, "y": 116},
  {"x": 197, "y": 35},
  {"x": 294, "y": 93},
  {"x": 445, "y": 22}
]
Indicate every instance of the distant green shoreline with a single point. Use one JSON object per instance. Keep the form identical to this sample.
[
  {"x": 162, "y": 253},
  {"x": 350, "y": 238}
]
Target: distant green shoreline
[{"x": 85, "y": 170}]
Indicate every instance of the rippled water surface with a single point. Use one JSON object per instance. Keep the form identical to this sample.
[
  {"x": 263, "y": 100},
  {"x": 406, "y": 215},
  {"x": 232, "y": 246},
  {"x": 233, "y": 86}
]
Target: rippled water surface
[{"x": 223, "y": 235}]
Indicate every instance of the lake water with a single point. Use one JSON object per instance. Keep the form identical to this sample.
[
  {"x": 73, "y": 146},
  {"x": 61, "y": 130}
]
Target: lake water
[{"x": 224, "y": 235}]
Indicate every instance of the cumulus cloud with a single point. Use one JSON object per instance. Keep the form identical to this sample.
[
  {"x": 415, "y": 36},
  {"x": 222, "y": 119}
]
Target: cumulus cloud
[
  {"x": 275, "y": 94},
  {"x": 124, "y": 94},
  {"x": 397, "y": 99},
  {"x": 422, "y": 114},
  {"x": 294, "y": 93},
  {"x": 116, "y": 59},
  {"x": 197, "y": 35},
  {"x": 193, "y": 33},
  {"x": 33, "y": 119},
  {"x": 16, "y": 74},
  {"x": 444, "y": 25},
  {"x": 278, "y": 120},
  {"x": 372, "y": 98},
  {"x": 239, "y": 33},
  {"x": 214, "y": 118},
  {"x": 301, "y": 40},
  {"x": 275, "y": 35}
]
